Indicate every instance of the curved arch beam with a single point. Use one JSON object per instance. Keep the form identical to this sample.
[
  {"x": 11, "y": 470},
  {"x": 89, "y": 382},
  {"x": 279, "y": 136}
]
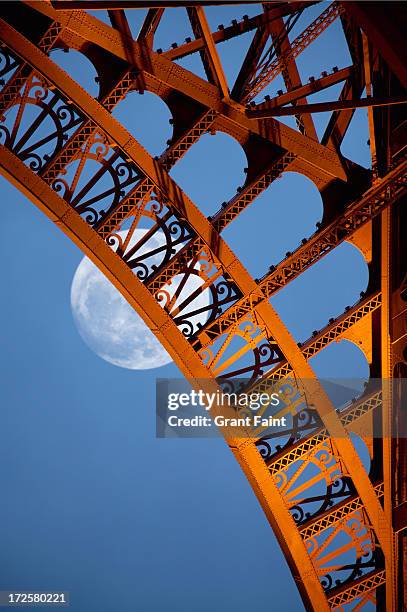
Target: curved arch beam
[
  {"x": 230, "y": 263},
  {"x": 138, "y": 296},
  {"x": 122, "y": 139}
]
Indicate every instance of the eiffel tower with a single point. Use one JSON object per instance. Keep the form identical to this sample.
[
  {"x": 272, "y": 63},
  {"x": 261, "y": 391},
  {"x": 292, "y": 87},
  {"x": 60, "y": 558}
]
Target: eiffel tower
[{"x": 346, "y": 545}]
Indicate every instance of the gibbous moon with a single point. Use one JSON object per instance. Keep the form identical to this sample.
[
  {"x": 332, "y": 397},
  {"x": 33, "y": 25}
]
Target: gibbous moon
[{"x": 109, "y": 325}]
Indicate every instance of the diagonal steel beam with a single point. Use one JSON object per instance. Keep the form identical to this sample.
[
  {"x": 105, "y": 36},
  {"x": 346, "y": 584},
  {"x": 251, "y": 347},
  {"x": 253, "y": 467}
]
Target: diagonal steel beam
[
  {"x": 210, "y": 57},
  {"x": 271, "y": 69},
  {"x": 322, "y": 107},
  {"x": 250, "y": 62},
  {"x": 119, "y": 21},
  {"x": 295, "y": 94},
  {"x": 290, "y": 73},
  {"x": 237, "y": 28},
  {"x": 352, "y": 88},
  {"x": 150, "y": 25}
]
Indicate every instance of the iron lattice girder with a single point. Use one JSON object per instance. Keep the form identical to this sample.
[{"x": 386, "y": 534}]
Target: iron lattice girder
[
  {"x": 330, "y": 518},
  {"x": 279, "y": 33},
  {"x": 12, "y": 88},
  {"x": 322, "y": 107},
  {"x": 331, "y": 332},
  {"x": 341, "y": 325},
  {"x": 299, "y": 450},
  {"x": 74, "y": 145},
  {"x": 229, "y": 211},
  {"x": 392, "y": 187},
  {"x": 168, "y": 158},
  {"x": 271, "y": 69},
  {"x": 158, "y": 71},
  {"x": 236, "y": 29},
  {"x": 367, "y": 584},
  {"x": 302, "y": 91},
  {"x": 64, "y": 85}
]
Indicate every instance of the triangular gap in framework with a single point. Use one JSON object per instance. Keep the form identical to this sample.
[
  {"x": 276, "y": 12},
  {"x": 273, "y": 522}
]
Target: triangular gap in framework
[
  {"x": 174, "y": 29},
  {"x": 135, "y": 19},
  {"x": 331, "y": 94},
  {"x": 355, "y": 145},
  {"x": 232, "y": 53}
]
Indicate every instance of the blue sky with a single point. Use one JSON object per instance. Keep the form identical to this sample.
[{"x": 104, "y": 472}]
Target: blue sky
[{"x": 93, "y": 503}]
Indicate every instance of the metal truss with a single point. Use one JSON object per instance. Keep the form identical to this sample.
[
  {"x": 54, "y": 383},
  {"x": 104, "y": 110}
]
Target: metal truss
[{"x": 319, "y": 498}]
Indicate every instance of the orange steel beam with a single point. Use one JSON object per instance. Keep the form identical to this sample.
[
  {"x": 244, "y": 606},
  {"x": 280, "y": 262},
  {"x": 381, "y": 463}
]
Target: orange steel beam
[
  {"x": 331, "y": 333},
  {"x": 269, "y": 72},
  {"x": 251, "y": 60},
  {"x": 211, "y": 51},
  {"x": 236, "y": 29},
  {"x": 119, "y": 21},
  {"x": 291, "y": 76},
  {"x": 118, "y": 136},
  {"x": 302, "y": 91},
  {"x": 352, "y": 89},
  {"x": 322, "y": 107},
  {"x": 150, "y": 25}
]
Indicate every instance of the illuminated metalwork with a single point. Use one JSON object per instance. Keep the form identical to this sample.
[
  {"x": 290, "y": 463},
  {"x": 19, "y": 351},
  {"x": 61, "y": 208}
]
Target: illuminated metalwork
[{"x": 338, "y": 523}]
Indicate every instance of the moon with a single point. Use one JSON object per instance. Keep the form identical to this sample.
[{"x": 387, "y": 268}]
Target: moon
[{"x": 109, "y": 325}]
